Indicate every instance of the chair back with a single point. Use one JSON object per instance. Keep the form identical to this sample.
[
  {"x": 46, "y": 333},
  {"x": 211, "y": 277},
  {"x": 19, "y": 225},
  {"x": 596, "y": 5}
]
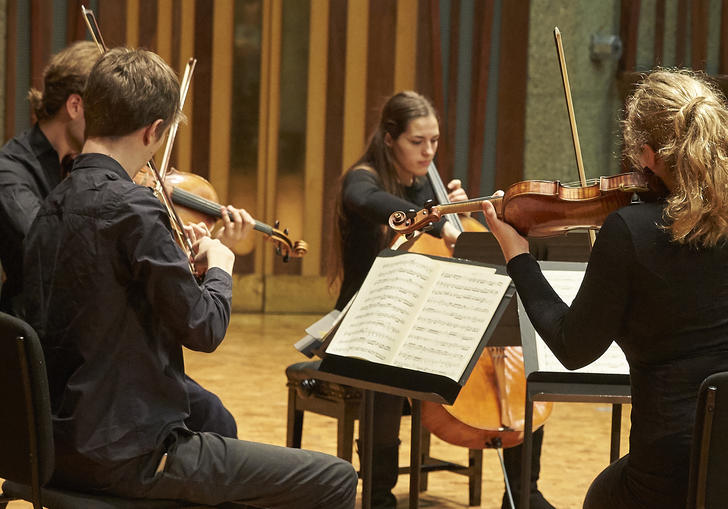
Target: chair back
[
  {"x": 26, "y": 434},
  {"x": 707, "y": 487}
]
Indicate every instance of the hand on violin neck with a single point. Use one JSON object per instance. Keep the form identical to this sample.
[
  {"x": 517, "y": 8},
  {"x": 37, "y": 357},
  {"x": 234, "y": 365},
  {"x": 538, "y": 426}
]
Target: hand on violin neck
[
  {"x": 511, "y": 242},
  {"x": 236, "y": 228}
]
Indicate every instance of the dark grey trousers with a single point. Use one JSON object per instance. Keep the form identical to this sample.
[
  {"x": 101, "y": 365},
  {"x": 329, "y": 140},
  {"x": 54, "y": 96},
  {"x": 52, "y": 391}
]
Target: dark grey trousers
[{"x": 208, "y": 469}]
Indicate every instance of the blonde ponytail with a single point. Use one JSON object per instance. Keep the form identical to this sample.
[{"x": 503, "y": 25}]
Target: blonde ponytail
[{"x": 685, "y": 121}]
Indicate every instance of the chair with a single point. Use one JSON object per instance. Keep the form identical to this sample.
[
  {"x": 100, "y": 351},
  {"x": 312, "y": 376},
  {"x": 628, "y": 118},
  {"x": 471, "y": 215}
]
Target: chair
[
  {"x": 707, "y": 488},
  {"x": 27, "y": 453},
  {"x": 307, "y": 393}
]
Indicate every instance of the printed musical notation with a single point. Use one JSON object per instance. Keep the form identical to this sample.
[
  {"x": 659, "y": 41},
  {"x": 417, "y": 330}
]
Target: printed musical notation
[
  {"x": 566, "y": 284},
  {"x": 421, "y": 313}
]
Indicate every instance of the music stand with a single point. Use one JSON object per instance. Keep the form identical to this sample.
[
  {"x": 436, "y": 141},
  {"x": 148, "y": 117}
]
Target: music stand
[{"x": 546, "y": 386}]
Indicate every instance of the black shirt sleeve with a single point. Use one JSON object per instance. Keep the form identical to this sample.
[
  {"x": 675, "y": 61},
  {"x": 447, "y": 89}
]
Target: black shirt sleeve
[
  {"x": 579, "y": 334},
  {"x": 364, "y": 196},
  {"x": 197, "y": 313}
]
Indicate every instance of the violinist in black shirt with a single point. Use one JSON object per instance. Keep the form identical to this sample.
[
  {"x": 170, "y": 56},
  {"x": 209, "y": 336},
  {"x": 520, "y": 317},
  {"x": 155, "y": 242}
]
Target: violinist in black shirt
[
  {"x": 30, "y": 163},
  {"x": 114, "y": 302},
  {"x": 658, "y": 276},
  {"x": 35, "y": 162}
]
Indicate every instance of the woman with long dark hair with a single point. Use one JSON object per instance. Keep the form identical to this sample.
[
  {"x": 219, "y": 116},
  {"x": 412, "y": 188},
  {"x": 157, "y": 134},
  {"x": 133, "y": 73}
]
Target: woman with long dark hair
[{"x": 391, "y": 176}]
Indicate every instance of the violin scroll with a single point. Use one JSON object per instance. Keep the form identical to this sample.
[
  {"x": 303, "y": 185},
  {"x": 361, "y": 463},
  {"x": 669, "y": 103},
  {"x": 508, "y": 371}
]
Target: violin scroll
[
  {"x": 285, "y": 247},
  {"x": 407, "y": 223}
]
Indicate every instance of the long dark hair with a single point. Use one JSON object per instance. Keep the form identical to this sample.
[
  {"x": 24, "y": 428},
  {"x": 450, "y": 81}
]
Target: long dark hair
[{"x": 398, "y": 111}]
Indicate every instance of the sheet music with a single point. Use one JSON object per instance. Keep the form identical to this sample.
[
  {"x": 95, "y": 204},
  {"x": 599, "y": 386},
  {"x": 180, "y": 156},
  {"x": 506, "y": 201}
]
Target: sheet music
[
  {"x": 378, "y": 318},
  {"x": 422, "y": 314},
  {"x": 452, "y": 320},
  {"x": 566, "y": 283}
]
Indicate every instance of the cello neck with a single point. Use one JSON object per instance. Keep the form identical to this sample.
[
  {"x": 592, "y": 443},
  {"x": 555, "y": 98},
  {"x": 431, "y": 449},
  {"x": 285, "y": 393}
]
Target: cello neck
[{"x": 441, "y": 196}]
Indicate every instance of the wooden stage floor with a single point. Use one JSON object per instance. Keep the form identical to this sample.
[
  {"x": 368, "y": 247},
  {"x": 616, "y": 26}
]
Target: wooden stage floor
[{"x": 247, "y": 372}]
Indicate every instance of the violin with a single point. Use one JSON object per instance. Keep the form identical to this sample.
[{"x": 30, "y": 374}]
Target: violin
[
  {"x": 539, "y": 208},
  {"x": 196, "y": 202}
]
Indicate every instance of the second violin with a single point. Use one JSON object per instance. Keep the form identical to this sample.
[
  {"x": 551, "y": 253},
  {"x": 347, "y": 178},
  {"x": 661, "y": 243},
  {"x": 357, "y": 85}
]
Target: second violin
[
  {"x": 197, "y": 202},
  {"x": 538, "y": 208}
]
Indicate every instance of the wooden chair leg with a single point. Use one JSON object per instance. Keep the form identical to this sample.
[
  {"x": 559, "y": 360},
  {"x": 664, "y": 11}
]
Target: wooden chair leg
[
  {"x": 475, "y": 476},
  {"x": 425, "y": 448},
  {"x": 294, "y": 425},
  {"x": 345, "y": 436}
]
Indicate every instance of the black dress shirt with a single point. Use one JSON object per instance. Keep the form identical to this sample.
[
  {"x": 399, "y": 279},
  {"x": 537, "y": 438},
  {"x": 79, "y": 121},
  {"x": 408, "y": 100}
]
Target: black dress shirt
[
  {"x": 367, "y": 207},
  {"x": 113, "y": 300},
  {"x": 29, "y": 169},
  {"x": 666, "y": 306}
]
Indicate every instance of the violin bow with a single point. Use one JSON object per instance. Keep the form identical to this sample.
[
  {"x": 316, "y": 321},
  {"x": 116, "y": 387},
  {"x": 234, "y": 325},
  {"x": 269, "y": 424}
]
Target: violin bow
[
  {"x": 93, "y": 28},
  {"x": 184, "y": 88},
  {"x": 572, "y": 118}
]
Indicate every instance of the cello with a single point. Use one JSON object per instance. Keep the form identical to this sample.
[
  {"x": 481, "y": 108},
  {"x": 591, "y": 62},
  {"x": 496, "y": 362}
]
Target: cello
[{"x": 489, "y": 410}]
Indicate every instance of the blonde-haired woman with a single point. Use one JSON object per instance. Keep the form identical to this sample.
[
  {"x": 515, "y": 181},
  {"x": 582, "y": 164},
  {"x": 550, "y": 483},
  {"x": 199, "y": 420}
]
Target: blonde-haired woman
[{"x": 658, "y": 276}]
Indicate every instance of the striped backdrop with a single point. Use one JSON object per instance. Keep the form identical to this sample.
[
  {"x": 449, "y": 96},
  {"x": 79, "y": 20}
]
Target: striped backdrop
[{"x": 285, "y": 92}]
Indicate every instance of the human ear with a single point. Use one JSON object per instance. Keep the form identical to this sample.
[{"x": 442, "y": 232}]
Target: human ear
[
  {"x": 647, "y": 157},
  {"x": 388, "y": 140},
  {"x": 151, "y": 134},
  {"x": 74, "y": 106}
]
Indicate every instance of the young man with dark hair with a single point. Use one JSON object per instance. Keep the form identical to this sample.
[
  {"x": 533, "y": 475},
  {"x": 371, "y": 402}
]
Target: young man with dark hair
[
  {"x": 34, "y": 162},
  {"x": 114, "y": 301}
]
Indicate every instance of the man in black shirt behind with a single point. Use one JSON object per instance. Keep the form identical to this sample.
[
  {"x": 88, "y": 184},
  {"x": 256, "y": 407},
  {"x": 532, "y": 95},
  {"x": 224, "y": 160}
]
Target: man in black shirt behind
[
  {"x": 30, "y": 163},
  {"x": 34, "y": 162},
  {"x": 114, "y": 301}
]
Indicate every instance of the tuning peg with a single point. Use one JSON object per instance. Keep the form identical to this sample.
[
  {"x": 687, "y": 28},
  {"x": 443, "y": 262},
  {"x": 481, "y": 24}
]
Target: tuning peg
[
  {"x": 411, "y": 213},
  {"x": 285, "y": 258},
  {"x": 285, "y": 232},
  {"x": 276, "y": 224},
  {"x": 429, "y": 204}
]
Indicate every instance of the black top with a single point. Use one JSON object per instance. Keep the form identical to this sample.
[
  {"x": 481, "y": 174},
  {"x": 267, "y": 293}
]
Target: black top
[
  {"x": 367, "y": 207},
  {"x": 113, "y": 300},
  {"x": 666, "y": 305},
  {"x": 29, "y": 169}
]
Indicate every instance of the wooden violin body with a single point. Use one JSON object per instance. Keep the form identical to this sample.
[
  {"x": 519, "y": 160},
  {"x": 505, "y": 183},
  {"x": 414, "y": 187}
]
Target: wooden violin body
[
  {"x": 187, "y": 181},
  {"x": 539, "y": 208}
]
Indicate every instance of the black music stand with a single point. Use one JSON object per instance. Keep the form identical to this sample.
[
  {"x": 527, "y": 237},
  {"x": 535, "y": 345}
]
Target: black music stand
[
  {"x": 546, "y": 386},
  {"x": 366, "y": 427},
  {"x": 419, "y": 386}
]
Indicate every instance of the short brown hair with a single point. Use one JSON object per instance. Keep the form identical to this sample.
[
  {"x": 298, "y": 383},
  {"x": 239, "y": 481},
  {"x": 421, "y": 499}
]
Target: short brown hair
[
  {"x": 65, "y": 74},
  {"x": 127, "y": 90}
]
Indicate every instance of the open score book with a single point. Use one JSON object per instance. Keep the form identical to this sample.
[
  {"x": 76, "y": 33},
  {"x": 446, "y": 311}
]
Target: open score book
[{"x": 421, "y": 313}]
